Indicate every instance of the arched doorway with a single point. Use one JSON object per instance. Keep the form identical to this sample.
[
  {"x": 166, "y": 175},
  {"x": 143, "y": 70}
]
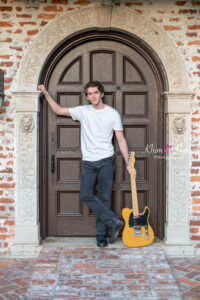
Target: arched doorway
[{"x": 133, "y": 84}]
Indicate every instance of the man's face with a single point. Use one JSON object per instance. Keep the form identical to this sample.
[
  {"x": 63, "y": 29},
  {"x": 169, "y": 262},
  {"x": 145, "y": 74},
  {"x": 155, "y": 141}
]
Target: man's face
[{"x": 94, "y": 95}]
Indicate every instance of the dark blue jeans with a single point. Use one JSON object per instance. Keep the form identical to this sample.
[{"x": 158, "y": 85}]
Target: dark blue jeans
[{"x": 103, "y": 172}]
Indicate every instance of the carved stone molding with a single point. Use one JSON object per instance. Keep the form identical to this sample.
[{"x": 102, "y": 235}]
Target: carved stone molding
[
  {"x": 93, "y": 17},
  {"x": 179, "y": 125},
  {"x": 178, "y": 102},
  {"x": 178, "y": 186},
  {"x": 27, "y": 123},
  {"x": 27, "y": 229}
]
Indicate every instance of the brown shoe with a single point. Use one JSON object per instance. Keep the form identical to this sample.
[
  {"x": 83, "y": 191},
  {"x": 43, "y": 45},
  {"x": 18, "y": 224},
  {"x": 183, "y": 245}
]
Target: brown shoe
[{"x": 115, "y": 230}]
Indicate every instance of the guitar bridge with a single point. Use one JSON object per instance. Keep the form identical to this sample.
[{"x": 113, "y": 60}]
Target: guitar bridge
[
  {"x": 137, "y": 230},
  {"x": 146, "y": 233}
]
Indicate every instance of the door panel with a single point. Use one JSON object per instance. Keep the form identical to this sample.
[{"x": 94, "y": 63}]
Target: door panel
[{"x": 130, "y": 87}]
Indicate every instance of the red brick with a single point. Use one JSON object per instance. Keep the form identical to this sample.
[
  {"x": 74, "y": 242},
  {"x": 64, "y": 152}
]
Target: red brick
[
  {"x": 18, "y": 31},
  {"x": 2, "y": 208},
  {"x": 157, "y": 20},
  {"x": 174, "y": 19},
  {"x": 194, "y": 230},
  {"x": 195, "y": 3},
  {"x": 9, "y": 163},
  {"x": 7, "y": 40},
  {"x": 138, "y": 287},
  {"x": 96, "y": 271},
  {"x": 194, "y": 27},
  {"x": 27, "y": 23},
  {"x": 46, "y": 16},
  {"x": 5, "y": 8},
  {"x": 139, "y": 11},
  {"x": 9, "y": 223},
  {"x": 195, "y": 194},
  {"x": 41, "y": 282},
  {"x": 180, "y": 3},
  {"x": 32, "y": 32},
  {"x": 195, "y": 223},
  {"x": 8, "y": 80},
  {"x": 161, "y": 11},
  {"x": 130, "y": 4},
  {"x": 196, "y": 73},
  {"x": 194, "y": 171},
  {"x": 5, "y": 56},
  {"x": 6, "y": 87},
  {"x": 187, "y": 281},
  {"x": 195, "y": 238},
  {"x": 170, "y": 27},
  {"x": 52, "y": 8},
  {"x": 18, "y": 8},
  {"x": 196, "y": 208},
  {"x": 43, "y": 23},
  {"x": 23, "y": 16},
  {"x": 5, "y": 24},
  {"x": 195, "y": 119},
  {"x": 16, "y": 48},
  {"x": 6, "y": 200},
  {"x": 82, "y": 2},
  {"x": 179, "y": 43},
  {"x": 196, "y": 58},
  {"x": 4, "y": 237},
  {"x": 196, "y": 201},
  {"x": 3, "y": 230},
  {"x": 59, "y": 1},
  {"x": 187, "y": 11},
  {"x": 193, "y": 43},
  {"x": 6, "y": 64},
  {"x": 7, "y": 186},
  {"x": 9, "y": 120},
  {"x": 191, "y": 34}
]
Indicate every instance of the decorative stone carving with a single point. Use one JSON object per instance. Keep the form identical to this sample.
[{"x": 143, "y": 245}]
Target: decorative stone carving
[
  {"x": 27, "y": 123},
  {"x": 141, "y": 26},
  {"x": 116, "y": 17},
  {"x": 27, "y": 215},
  {"x": 179, "y": 125},
  {"x": 50, "y": 37}
]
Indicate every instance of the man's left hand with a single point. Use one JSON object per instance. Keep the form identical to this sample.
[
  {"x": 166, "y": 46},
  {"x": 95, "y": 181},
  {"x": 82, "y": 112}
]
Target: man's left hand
[{"x": 130, "y": 169}]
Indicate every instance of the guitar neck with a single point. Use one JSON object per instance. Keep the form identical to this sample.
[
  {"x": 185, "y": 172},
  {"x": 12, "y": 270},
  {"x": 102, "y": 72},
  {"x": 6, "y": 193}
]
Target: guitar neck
[{"x": 134, "y": 195}]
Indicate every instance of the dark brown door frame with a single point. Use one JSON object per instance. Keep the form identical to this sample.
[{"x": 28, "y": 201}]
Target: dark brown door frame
[{"x": 151, "y": 57}]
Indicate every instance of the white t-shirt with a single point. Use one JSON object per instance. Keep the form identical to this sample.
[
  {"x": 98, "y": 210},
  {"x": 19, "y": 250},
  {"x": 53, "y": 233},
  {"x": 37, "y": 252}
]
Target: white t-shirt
[{"x": 97, "y": 126}]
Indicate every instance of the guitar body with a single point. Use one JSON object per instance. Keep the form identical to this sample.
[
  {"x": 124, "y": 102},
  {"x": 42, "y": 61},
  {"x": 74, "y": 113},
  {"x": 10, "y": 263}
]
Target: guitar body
[{"x": 137, "y": 231}]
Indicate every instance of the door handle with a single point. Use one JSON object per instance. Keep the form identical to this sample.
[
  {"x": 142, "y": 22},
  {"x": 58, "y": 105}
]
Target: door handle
[{"x": 52, "y": 163}]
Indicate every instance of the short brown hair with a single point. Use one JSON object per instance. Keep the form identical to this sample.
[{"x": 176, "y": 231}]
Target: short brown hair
[{"x": 93, "y": 84}]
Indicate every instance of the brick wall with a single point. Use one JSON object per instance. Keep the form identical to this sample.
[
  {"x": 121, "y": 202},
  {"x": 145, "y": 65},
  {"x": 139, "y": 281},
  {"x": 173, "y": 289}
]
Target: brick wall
[{"x": 21, "y": 22}]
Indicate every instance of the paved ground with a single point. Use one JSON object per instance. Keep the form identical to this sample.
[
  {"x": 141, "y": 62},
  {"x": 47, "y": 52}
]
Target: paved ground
[{"x": 84, "y": 271}]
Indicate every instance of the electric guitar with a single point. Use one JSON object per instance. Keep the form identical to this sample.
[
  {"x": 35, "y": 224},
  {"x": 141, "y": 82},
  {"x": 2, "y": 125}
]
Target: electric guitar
[{"x": 137, "y": 231}]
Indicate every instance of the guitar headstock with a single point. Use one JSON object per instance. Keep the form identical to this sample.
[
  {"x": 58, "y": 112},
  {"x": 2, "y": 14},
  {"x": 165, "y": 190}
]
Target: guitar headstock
[{"x": 131, "y": 162}]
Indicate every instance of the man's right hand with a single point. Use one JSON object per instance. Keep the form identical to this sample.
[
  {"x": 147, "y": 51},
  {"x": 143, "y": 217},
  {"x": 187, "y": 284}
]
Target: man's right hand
[{"x": 42, "y": 88}]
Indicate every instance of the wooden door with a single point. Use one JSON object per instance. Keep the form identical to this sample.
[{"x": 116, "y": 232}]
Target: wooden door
[{"x": 131, "y": 88}]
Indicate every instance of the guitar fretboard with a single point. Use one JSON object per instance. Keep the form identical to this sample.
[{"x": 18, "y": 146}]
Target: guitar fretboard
[
  {"x": 134, "y": 194},
  {"x": 133, "y": 185}
]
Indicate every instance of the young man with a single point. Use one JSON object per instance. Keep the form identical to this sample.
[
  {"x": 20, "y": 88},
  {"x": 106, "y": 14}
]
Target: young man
[{"x": 98, "y": 122}]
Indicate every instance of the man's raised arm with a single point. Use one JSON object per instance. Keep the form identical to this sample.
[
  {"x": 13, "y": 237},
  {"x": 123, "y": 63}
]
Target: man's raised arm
[{"x": 59, "y": 110}]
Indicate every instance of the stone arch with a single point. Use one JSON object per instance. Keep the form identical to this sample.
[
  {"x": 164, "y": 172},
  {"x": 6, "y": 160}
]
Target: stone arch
[
  {"x": 177, "y": 102},
  {"x": 93, "y": 17}
]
